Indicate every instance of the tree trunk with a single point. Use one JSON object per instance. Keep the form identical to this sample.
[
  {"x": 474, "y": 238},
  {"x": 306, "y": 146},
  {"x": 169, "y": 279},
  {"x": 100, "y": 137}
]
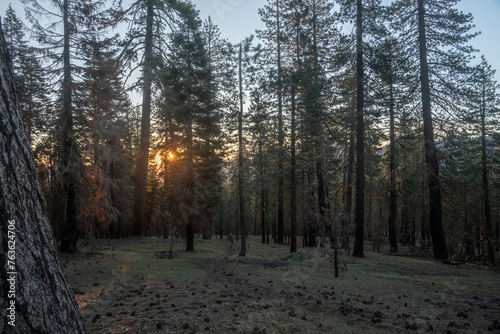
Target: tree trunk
[
  {"x": 43, "y": 301},
  {"x": 393, "y": 238},
  {"x": 243, "y": 250},
  {"x": 256, "y": 212},
  {"x": 280, "y": 131},
  {"x": 262, "y": 186},
  {"x": 69, "y": 230},
  {"x": 190, "y": 163},
  {"x": 486, "y": 192},
  {"x": 434, "y": 183},
  {"x": 346, "y": 221},
  {"x": 359, "y": 219},
  {"x": 141, "y": 180},
  {"x": 320, "y": 165},
  {"x": 293, "y": 182}
]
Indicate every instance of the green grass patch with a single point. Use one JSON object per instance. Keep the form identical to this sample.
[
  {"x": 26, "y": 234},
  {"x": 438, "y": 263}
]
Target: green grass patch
[{"x": 296, "y": 257}]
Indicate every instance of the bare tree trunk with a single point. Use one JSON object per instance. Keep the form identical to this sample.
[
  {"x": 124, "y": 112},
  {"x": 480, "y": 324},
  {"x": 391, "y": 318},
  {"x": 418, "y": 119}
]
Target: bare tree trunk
[
  {"x": 261, "y": 182},
  {"x": 359, "y": 219},
  {"x": 256, "y": 212},
  {"x": 69, "y": 230},
  {"x": 293, "y": 182},
  {"x": 243, "y": 250},
  {"x": 393, "y": 238},
  {"x": 486, "y": 191},
  {"x": 190, "y": 163},
  {"x": 280, "y": 132},
  {"x": 434, "y": 183},
  {"x": 143, "y": 161},
  {"x": 35, "y": 296},
  {"x": 346, "y": 220}
]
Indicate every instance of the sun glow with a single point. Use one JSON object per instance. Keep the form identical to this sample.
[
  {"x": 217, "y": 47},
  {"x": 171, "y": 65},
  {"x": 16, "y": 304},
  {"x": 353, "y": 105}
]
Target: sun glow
[{"x": 164, "y": 157}]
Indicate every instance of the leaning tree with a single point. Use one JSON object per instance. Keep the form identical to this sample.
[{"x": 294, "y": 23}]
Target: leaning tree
[{"x": 35, "y": 296}]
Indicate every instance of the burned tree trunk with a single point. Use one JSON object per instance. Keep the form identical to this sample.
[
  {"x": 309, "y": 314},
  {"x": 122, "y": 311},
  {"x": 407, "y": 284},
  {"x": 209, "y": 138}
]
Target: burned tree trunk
[
  {"x": 35, "y": 297},
  {"x": 434, "y": 182}
]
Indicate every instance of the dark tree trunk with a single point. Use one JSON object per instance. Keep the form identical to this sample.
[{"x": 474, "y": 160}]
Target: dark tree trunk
[
  {"x": 346, "y": 221},
  {"x": 359, "y": 219},
  {"x": 263, "y": 213},
  {"x": 268, "y": 227},
  {"x": 280, "y": 131},
  {"x": 293, "y": 182},
  {"x": 486, "y": 191},
  {"x": 243, "y": 250},
  {"x": 256, "y": 212},
  {"x": 312, "y": 225},
  {"x": 190, "y": 163},
  {"x": 261, "y": 180},
  {"x": 43, "y": 302},
  {"x": 468, "y": 233},
  {"x": 189, "y": 237},
  {"x": 320, "y": 165},
  {"x": 69, "y": 230},
  {"x": 262, "y": 191},
  {"x": 434, "y": 183},
  {"x": 141, "y": 180},
  {"x": 393, "y": 238}
]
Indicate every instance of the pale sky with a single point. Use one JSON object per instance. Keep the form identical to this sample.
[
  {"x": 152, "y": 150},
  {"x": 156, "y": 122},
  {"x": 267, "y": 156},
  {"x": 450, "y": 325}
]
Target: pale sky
[{"x": 238, "y": 19}]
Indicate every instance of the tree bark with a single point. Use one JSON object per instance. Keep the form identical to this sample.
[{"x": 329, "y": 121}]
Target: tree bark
[
  {"x": 44, "y": 302},
  {"x": 143, "y": 160},
  {"x": 346, "y": 219},
  {"x": 280, "y": 130},
  {"x": 190, "y": 161},
  {"x": 393, "y": 238},
  {"x": 243, "y": 250},
  {"x": 261, "y": 175},
  {"x": 293, "y": 182},
  {"x": 486, "y": 191},
  {"x": 69, "y": 230},
  {"x": 359, "y": 219},
  {"x": 434, "y": 183}
]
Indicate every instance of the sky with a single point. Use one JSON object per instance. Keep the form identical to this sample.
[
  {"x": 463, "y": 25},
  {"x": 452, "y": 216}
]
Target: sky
[{"x": 238, "y": 19}]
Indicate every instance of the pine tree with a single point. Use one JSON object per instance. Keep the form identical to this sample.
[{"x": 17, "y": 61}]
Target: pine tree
[
  {"x": 29, "y": 76},
  {"x": 78, "y": 19},
  {"x": 359, "y": 219},
  {"x": 190, "y": 96},
  {"x": 441, "y": 33},
  {"x": 101, "y": 95},
  {"x": 271, "y": 14},
  {"x": 488, "y": 98},
  {"x": 241, "y": 194},
  {"x": 146, "y": 37},
  {"x": 384, "y": 61}
]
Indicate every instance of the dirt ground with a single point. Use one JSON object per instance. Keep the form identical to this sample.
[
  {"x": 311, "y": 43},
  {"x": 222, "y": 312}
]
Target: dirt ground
[{"x": 130, "y": 286}]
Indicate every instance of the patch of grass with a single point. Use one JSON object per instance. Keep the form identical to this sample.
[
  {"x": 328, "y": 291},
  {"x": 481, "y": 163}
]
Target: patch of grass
[
  {"x": 155, "y": 268},
  {"x": 286, "y": 326},
  {"x": 143, "y": 248},
  {"x": 296, "y": 257},
  {"x": 279, "y": 303}
]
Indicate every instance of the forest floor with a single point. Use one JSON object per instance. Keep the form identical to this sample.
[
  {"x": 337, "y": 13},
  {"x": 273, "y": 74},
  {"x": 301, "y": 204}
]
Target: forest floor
[{"x": 127, "y": 286}]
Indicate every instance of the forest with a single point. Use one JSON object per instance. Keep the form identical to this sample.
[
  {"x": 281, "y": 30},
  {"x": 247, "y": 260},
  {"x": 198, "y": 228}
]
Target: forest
[{"x": 342, "y": 126}]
